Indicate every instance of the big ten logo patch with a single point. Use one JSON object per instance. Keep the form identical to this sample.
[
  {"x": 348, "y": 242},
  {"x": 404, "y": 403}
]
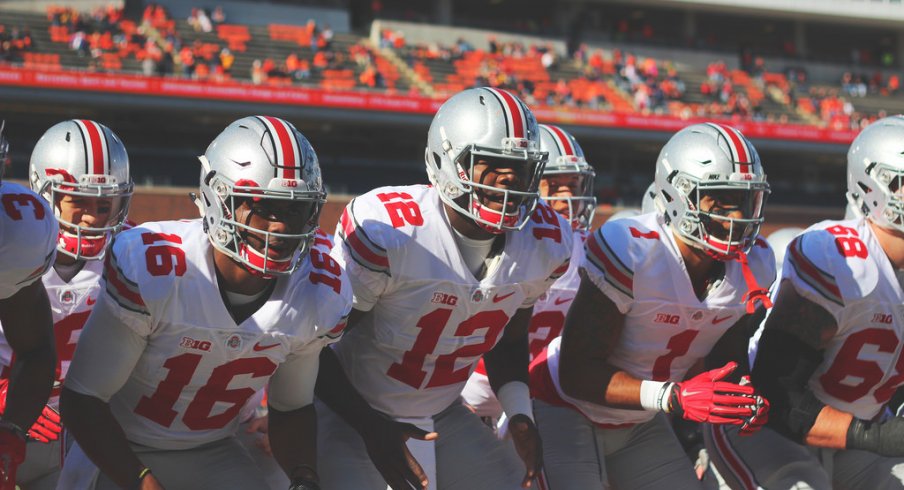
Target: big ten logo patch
[
  {"x": 444, "y": 298},
  {"x": 882, "y": 318},
  {"x": 190, "y": 343},
  {"x": 666, "y": 319}
]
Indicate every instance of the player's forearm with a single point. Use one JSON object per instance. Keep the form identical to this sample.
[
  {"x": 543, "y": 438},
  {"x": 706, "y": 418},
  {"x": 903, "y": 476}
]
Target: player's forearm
[
  {"x": 830, "y": 429},
  {"x": 293, "y": 439},
  {"x": 336, "y": 391},
  {"x": 599, "y": 382},
  {"x": 100, "y": 436},
  {"x": 507, "y": 361},
  {"x": 30, "y": 383}
]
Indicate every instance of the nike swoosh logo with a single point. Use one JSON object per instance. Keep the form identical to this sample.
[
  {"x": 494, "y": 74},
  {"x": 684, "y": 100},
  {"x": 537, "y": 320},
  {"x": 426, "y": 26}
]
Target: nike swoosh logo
[
  {"x": 498, "y": 298},
  {"x": 718, "y": 320},
  {"x": 90, "y": 301},
  {"x": 258, "y": 347},
  {"x": 560, "y": 301},
  {"x": 241, "y": 164}
]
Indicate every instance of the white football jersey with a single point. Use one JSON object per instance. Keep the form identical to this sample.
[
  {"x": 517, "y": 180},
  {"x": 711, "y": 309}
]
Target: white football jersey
[
  {"x": 841, "y": 266},
  {"x": 199, "y": 368},
  {"x": 28, "y": 238},
  {"x": 70, "y": 303},
  {"x": 429, "y": 318},
  {"x": 637, "y": 264},
  {"x": 545, "y": 324}
]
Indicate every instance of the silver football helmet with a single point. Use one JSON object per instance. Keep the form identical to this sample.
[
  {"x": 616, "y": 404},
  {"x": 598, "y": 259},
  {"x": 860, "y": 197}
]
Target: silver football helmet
[
  {"x": 82, "y": 159},
  {"x": 567, "y": 158},
  {"x": 254, "y": 160},
  {"x": 485, "y": 124},
  {"x": 713, "y": 162},
  {"x": 876, "y": 173},
  {"x": 648, "y": 203}
]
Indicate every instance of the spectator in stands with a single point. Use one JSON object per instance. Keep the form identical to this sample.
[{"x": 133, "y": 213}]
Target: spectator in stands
[
  {"x": 218, "y": 16},
  {"x": 257, "y": 72},
  {"x": 226, "y": 59}
]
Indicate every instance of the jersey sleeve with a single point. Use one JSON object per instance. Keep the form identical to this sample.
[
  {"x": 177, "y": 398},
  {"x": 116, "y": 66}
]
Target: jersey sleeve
[
  {"x": 106, "y": 353},
  {"x": 292, "y": 385},
  {"x": 358, "y": 249},
  {"x": 334, "y": 296},
  {"x": 121, "y": 276},
  {"x": 558, "y": 257},
  {"x": 820, "y": 272},
  {"x": 610, "y": 257},
  {"x": 29, "y": 235}
]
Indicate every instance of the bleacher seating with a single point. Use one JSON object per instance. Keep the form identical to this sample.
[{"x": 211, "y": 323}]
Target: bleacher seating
[{"x": 285, "y": 54}]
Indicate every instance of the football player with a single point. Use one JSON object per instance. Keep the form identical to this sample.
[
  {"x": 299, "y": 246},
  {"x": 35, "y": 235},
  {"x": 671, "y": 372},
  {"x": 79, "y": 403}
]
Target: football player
[
  {"x": 567, "y": 186},
  {"x": 199, "y": 315},
  {"x": 830, "y": 356},
  {"x": 443, "y": 275},
  {"x": 81, "y": 168},
  {"x": 657, "y": 293},
  {"x": 28, "y": 237}
]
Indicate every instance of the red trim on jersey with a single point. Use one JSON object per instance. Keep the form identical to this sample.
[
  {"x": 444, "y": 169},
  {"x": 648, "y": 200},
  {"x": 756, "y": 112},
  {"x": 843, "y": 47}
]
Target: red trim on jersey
[
  {"x": 121, "y": 287},
  {"x": 351, "y": 236},
  {"x": 93, "y": 132},
  {"x": 611, "y": 269},
  {"x": 811, "y": 270}
]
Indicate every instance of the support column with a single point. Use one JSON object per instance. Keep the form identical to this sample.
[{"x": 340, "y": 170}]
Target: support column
[
  {"x": 800, "y": 39},
  {"x": 443, "y": 12}
]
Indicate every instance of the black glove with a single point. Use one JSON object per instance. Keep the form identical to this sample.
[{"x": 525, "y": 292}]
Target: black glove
[{"x": 883, "y": 438}]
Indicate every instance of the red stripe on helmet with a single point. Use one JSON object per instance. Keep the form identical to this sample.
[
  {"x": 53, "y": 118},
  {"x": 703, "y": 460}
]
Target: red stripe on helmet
[
  {"x": 514, "y": 109},
  {"x": 286, "y": 141},
  {"x": 739, "y": 145},
  {"x": 96, "y": 153},
  {"x": 563, "y": 138}
]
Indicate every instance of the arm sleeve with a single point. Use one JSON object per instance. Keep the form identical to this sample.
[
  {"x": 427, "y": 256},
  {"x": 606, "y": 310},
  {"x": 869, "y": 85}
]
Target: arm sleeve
[
  {"x": 292, "y": 385},
  {"x": 106, "y": 353}
]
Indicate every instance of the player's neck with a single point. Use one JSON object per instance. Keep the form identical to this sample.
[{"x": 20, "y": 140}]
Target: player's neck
[
  {"x": 892, "y": 242},
  {"x": 466, "y": 226},
  {"x": 701, "y": 268},
  {"x": 235, "y": 278}
]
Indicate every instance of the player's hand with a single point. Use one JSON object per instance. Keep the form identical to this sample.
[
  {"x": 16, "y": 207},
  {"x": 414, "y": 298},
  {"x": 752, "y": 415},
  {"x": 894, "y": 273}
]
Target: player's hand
[
  {"x": 261, "y": 426},
  {"x": 527, "y": 442},
  {"x": 706, "y": 398},
  {"x": 385, "y": 442},
  {"x": 47, "y": 428},
  {"x": 12, "y": 453},
  {"x": 760, "y": 413}
]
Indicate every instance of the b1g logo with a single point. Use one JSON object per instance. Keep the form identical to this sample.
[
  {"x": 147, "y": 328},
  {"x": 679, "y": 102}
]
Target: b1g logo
[
  {"x": 667, "y": 319},
  {"x": 444, "y": 299},
  {"x": 190, "y": 343}
]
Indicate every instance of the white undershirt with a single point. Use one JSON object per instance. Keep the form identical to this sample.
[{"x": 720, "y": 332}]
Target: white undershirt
[
  {"x": 239, "y": 299},
  {"x": 474, "y": 252}
]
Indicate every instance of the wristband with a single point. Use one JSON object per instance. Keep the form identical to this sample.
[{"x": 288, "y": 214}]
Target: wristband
[
  {"x": 654, "y": 395},
  {"x": 141, "y": 475},
  {"x": 514, "y": 397}
]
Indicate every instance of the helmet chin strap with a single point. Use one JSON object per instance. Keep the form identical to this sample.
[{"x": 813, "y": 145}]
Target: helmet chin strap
[
  {"x": 259, "y": 260},
  {"x": 497, "y": 218},
  {"x": 754, "y": 291}
]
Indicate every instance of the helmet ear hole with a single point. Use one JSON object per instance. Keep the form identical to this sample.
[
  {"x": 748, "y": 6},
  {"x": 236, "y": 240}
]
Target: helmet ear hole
[{"x": 437, "y": 160}]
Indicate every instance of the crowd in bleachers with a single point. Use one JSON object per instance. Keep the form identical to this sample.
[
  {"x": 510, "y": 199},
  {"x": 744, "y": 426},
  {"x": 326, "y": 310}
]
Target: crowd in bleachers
[{"x": 205, "y": 47}]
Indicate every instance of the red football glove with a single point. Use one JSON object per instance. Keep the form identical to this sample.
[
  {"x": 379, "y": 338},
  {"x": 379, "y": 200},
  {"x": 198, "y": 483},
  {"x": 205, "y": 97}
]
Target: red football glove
[
  {"x": 706, "y": 398},
  {"x": 12, "y": 453},
  {"x": 760, "y": 413},
  {"x": 47, "y": 428}
]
